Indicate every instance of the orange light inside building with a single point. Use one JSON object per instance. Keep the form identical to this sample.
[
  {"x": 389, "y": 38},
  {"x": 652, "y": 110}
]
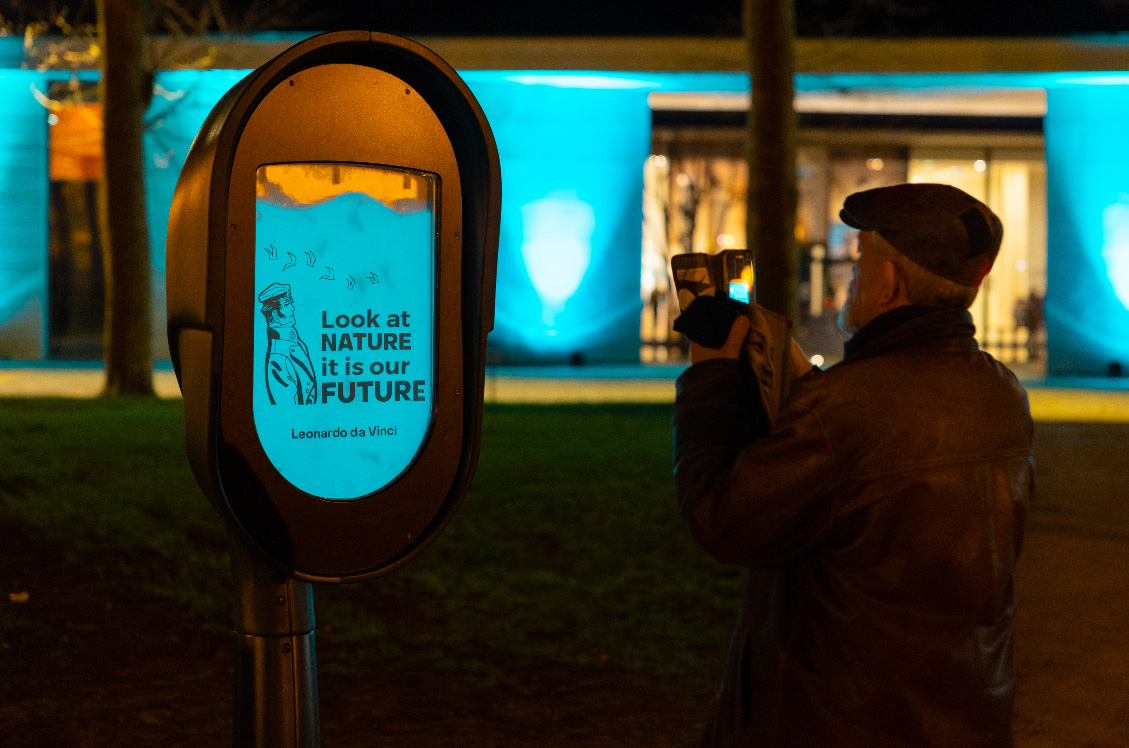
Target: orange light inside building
[{"x": 76, "y": 142}]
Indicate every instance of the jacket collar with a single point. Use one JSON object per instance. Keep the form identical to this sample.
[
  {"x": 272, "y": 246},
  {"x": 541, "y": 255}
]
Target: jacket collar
[{"x": 912, "y": 325}]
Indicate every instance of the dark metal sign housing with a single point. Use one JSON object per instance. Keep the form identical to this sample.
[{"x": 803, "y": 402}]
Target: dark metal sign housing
[{"x": 392, "y": 330}]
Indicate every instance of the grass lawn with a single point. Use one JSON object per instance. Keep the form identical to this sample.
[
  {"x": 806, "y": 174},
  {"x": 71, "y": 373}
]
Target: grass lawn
[
  {"x": 563, "y": 606},
  {"x": 568, "y": 555}
]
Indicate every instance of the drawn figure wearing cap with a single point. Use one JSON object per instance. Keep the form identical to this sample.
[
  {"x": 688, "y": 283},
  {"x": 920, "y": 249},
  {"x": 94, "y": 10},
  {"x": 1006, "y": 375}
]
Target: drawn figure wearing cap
[{"x": 289, "y": 370}]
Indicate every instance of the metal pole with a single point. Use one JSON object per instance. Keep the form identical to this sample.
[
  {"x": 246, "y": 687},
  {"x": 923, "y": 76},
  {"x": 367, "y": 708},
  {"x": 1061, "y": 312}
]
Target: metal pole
[{"x": 276, "y": 690}]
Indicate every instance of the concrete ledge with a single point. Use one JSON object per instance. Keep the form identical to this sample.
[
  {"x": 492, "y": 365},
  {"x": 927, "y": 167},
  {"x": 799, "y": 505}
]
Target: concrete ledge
[
  {"x": 72, "y": 382},
  {"x": 1094, "y": 400}
]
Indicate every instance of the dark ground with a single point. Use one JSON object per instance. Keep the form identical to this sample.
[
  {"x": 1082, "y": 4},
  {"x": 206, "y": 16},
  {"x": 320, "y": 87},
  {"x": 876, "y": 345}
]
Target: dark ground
[
  {"x": 95, "y": 665},
  {"x": 1072, "y": 589}
]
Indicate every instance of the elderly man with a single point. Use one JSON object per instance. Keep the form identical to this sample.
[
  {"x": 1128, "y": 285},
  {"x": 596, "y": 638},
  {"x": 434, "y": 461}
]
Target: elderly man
[{"x": 882, "y": 516}]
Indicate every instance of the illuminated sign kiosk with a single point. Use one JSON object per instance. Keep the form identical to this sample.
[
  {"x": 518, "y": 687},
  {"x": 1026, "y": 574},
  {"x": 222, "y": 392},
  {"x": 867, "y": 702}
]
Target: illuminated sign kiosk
[{"x": 332, "y": 251}]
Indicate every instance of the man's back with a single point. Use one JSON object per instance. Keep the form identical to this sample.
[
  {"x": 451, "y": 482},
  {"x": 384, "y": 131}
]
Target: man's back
[{"x": 881, "y": 523}]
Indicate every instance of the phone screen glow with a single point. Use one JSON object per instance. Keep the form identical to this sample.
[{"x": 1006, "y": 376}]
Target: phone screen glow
[{"x": 739, "y": 290}]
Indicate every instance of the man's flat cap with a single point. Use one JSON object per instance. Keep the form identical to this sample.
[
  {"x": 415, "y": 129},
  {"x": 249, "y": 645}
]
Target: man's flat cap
[{"x": 941, "y": 228}]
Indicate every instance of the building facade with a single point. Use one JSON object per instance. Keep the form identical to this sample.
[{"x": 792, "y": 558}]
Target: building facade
[{"x": 618, "y": 153}]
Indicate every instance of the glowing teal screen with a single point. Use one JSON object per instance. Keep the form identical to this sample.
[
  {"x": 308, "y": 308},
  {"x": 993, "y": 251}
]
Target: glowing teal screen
[{"x": 344, "y": 305}]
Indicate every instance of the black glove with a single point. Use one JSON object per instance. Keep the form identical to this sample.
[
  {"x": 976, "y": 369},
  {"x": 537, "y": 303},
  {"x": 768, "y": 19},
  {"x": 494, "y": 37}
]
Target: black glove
[
  {"x": 765, "y": 352},
  {"x": 708, "y": 318}
]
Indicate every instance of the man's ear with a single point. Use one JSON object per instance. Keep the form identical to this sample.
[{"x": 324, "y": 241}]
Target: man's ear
[{"x": 893, "y": 286}]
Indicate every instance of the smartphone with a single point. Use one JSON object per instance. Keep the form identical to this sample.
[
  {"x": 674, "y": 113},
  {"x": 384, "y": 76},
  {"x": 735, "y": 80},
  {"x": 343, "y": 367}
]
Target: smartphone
[
  {"x": 699, "y": 274},
  {"x": 730, "y": 275},
  {"x": 737, "y": 270}
]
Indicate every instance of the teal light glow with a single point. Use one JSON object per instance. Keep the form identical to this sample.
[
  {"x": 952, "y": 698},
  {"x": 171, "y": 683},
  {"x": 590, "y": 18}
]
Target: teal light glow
[
  {"x": 1087, "y": 305},
  {"x": 599, "y": 81},
  {"x": 556, "y": 247},
  {"x": 181, "y": 101},
  {"x": 23, "y": 216},
  {"x": 739, "y": 290},
  {"x": 572, "y": 213},
  {"x": 572, "y": 147},
  {"x": 1095, "y": 79},
  {"x": 596, "y": 80},
  {"x": 11, "y": 53},
  {"x": 1115, "y": 246},
  {"x": 863, "y": 82}
]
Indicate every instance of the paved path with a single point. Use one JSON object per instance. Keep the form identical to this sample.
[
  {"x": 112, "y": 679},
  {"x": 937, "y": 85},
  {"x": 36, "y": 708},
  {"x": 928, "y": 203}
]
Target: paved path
[
  {"x": 1072, "y": 592},
  {"x": 1072, "y": 642},
  {"x": 1080, "y": 400},
  {"x": 70, "y": 382}
]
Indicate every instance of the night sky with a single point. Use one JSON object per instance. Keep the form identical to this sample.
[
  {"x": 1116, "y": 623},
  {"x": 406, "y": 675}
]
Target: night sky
[
  {"x": 723, "y": 17},
  {"x": 642, "y": 17}
]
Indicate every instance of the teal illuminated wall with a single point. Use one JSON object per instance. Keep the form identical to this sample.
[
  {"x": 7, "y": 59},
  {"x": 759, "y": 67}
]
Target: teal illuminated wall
[
  {"x": 572, "y": 147},
  {"x": 23, "y": 216},
  {"x": 181, "y": 101},
  {"x": 572, "y": 211},
  {"x": 1087, "y": 305},
  {"x": 572, "y": 150}
]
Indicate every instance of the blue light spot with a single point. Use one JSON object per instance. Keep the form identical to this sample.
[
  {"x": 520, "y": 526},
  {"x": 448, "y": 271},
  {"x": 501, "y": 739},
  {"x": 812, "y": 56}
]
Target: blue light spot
[
  {"x": 1115, "y": 247},
  {"x": 23, "y": 221},
  {"x": 557, "y": 247}
]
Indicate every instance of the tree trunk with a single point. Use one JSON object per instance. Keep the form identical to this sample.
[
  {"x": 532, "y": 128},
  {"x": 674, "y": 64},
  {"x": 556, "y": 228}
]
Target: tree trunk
[
  {"x": 125, "y": 90},
  {"x": 771, "y": 152}
]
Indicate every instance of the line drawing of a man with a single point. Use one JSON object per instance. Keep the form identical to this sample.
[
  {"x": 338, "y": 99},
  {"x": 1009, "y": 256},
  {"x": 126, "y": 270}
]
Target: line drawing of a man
[{"x": 289, "y": 371}]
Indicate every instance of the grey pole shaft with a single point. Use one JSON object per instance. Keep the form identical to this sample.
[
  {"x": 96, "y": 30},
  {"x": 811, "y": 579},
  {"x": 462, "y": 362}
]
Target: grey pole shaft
[{"x": 276, "y": 690}]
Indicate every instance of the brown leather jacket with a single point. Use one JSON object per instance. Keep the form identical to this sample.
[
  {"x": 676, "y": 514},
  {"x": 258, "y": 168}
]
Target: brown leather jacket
[{"x": 881, "y": 521}]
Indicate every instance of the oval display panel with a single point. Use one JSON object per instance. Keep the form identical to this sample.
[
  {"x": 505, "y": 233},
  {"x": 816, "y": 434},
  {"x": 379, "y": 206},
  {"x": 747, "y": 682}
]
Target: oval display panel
[{"x": 344, "y": 322}]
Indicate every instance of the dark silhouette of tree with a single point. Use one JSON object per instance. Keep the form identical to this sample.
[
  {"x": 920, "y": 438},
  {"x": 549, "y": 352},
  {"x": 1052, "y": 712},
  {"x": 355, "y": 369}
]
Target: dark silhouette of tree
[
  {"x": 771, "y": 150},
  {"x": 125, "y": 89}
]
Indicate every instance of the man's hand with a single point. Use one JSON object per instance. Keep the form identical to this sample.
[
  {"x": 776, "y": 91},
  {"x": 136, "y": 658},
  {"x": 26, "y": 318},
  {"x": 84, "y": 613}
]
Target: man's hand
[{"x": 730, "y": 349}]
